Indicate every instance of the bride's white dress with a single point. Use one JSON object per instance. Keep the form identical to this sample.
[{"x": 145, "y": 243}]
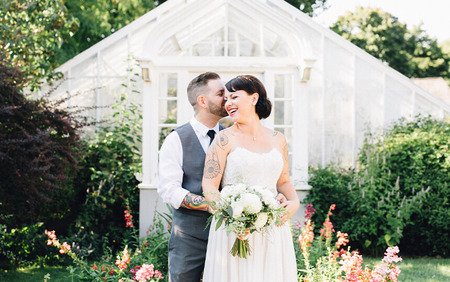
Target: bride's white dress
[{"x": 272, "y": 251}]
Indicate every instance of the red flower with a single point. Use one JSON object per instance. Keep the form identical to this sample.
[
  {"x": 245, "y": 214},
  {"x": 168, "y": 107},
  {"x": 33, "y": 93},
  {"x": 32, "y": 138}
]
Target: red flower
[{"x": 128, "y": 217}]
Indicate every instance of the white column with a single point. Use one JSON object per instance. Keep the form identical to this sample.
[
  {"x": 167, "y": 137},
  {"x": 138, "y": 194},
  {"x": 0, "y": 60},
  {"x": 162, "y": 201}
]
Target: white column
[
  {"x": 300, "y": 138},
  {"x": 300, "y": 161},
  {"x": 148, "y": 196}
]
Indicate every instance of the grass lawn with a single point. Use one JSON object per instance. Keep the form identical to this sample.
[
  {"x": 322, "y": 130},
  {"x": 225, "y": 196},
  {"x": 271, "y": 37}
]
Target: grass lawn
[
  {"x": 57, "y": 274},
  {"x": 412, "y": 269},
  {"x": 419, "y": 269}
]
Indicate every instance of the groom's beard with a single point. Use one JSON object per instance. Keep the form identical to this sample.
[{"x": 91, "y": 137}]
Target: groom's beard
[{"x": 217, "y": 111}]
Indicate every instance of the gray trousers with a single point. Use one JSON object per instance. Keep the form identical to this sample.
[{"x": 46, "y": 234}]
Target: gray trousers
[{"x": 187, "y": 246}]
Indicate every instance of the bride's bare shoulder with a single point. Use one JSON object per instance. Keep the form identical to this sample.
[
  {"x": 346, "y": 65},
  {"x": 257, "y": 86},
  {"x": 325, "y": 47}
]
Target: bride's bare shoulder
[
  {"x": 278, "y": 136},
  {"x": 225, "y": 137}
]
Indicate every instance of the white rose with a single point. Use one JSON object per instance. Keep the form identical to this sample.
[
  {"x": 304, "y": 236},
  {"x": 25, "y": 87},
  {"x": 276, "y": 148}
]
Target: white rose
[
  {"x": 237, "y": 208},
  {"x": 252, "y": 203},
  {"x": 261, "y": 220},
  {"x": 267, "y": 196}
]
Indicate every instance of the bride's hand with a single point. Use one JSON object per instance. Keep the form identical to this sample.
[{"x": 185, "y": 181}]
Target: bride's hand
[
  {"x": 280, "y": 198},
  {"x": 291, "y": 208}
]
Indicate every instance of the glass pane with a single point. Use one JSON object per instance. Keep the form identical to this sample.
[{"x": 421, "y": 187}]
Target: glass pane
[
  {"x": 247, "y": 48},
  {"x": 283, "y": 112},
  {"x": 168, "y": 111},
  {"x": 168, "y": 86},
  {"x": 279, "y": 86},
  {"x": 163, "y": 132},
  {"x": 283, "y": 86},
  {"x": 212, "y": 45},
  {"x": 219, "y": 45},
  {"x": 172, "y": 85},
  {"x": 202, "y": 49},
  {"x": 232, "y": 42}
]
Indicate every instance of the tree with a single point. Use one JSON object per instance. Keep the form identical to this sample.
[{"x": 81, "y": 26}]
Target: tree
[
  {"x": 308, "y": 6},
  {"x": 413, "y": 53},
  {"x": 31, "y": 33},
  {"x": 99, "y": 19},
  {"x": 39, "y": 152}
]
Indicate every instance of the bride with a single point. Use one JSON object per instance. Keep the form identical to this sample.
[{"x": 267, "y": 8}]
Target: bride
[{"x": 250, "y": 153}]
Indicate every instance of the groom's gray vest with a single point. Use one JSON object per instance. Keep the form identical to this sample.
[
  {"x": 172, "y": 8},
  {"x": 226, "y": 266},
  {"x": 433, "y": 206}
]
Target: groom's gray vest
[{"x": 191, "y": 222}]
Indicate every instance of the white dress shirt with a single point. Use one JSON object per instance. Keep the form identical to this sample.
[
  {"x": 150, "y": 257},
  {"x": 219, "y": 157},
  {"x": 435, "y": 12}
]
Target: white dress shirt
[{"x": 171, "y": 163}]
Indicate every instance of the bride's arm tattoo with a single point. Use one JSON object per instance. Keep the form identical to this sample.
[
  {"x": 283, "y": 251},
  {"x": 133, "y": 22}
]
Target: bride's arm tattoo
[
  {"x": 223, "y": 140},
  {"x": 285, "y": 152},
  {"x": 194, "y": 202},
  {"x": 212, "y": 164}
]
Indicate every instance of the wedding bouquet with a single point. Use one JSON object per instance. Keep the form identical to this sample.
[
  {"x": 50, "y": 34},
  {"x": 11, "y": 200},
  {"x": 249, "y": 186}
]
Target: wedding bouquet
[{"x": 245, "y": 209}]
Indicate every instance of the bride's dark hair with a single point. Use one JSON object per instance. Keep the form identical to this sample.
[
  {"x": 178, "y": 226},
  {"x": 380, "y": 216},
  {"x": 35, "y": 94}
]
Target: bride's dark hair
[{"x": 251, "y": 84}]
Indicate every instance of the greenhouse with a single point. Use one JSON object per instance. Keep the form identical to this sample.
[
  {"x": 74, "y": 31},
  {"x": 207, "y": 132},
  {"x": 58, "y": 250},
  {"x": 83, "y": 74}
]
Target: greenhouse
[{"x": 327, "y": 93}]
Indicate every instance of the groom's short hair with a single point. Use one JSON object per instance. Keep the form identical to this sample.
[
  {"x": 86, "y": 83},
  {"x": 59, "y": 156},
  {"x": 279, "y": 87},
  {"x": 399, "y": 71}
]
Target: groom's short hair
[{"x": 197, "y": 86}]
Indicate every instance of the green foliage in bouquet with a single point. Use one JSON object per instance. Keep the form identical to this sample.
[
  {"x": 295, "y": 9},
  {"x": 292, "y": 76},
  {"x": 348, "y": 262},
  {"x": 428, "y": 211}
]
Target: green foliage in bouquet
[{"x": 244, "y": 209}]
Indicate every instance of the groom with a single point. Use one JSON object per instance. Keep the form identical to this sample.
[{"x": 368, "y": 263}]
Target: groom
[{"x": 181, "y": 162}]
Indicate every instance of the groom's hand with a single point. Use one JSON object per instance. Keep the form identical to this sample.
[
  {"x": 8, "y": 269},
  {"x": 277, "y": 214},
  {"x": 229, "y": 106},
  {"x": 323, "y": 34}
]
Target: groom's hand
[{"x": 194, "y": 202}]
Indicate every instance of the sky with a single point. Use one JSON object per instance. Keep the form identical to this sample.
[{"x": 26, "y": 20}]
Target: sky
[{"x": 435, "y": 14}]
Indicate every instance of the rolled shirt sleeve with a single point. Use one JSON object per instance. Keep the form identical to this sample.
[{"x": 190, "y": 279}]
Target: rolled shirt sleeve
[{"x": 171, "y": 171}]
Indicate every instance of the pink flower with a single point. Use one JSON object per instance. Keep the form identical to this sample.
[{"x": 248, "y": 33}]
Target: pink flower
[
  {"x": 328, "y": 228},
  {"x": 49, "y": 242},
  {"x": 351, "y": 264},
  {"x": 342, "y": 239},
  {"x": 306, "y": 238},
  {"x": 146, "y": 272},
  {"x": 309, "y": 211},
  {"x": 128, "y": 217}
]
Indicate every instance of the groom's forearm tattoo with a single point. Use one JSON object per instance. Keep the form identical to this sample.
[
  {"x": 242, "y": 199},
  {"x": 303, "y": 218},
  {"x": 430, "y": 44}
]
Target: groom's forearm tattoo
[
  {"x": 194, "y": 202},
  {"x": 212, "y": 165}
]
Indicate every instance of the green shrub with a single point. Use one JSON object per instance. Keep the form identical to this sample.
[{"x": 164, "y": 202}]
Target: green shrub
[
  {"x": 330, "y": 186},
  {"x": 40, "y": 150},
  {"x": 418, "y": 153},
  {"x": 108, "y": 174},
  {"x": 25, "y": 246},
  {"x": 399, "y": 195}
]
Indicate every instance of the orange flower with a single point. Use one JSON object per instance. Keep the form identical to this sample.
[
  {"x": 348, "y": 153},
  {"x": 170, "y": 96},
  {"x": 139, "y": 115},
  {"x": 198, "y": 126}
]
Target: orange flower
[
  {"x": 342, "y": 239},
  {"x": 122, "y": 262}
]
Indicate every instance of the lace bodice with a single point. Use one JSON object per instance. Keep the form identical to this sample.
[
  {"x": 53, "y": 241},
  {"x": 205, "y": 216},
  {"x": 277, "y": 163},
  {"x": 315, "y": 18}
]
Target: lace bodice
[{"x": 251, "y": 168}]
